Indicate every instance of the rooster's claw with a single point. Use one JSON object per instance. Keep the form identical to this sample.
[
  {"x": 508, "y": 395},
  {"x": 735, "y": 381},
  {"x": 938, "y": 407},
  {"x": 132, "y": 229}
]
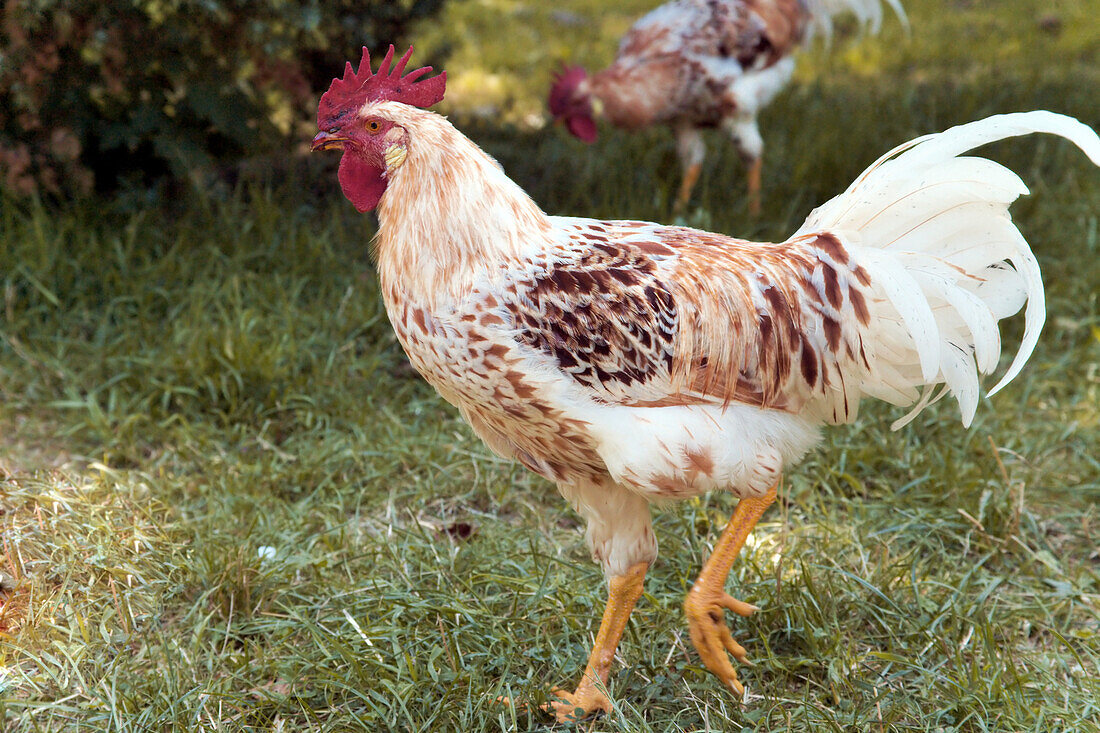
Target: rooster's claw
[
  {"x": 570, "y": 706},
  {"x": 573, "y": 706},
  {"x": 712, "y": 638}
]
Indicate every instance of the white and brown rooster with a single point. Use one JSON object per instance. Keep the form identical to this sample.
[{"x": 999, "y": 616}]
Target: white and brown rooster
[
  {"x": 632, "y": 363},
  {"x": 697, "y": 64}
]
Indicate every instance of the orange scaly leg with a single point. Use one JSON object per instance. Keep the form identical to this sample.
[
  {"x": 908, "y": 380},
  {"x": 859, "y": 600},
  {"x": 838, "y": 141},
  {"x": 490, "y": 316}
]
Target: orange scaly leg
[
  {"x": 755, "y": 166},
  {"x": 687, "y": 184},
  {"x": 589, "y": 696},
  {"x": 707, "y": 601}
]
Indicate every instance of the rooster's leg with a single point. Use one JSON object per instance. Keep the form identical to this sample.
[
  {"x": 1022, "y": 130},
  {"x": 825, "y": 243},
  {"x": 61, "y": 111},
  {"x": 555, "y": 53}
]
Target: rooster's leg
[
  {"x": 707, "y": 601},
  {"x": 755, "y": 165},
  {"x": 590, "y": 695}
]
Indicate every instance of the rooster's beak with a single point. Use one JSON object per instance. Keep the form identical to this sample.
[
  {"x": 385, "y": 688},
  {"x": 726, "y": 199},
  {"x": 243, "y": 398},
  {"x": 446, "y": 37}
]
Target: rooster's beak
[{"x": 327, "y": 141}]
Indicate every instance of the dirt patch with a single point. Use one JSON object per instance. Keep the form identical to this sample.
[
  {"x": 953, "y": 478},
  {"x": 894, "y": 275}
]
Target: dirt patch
[{"x": 30, "y": 445}]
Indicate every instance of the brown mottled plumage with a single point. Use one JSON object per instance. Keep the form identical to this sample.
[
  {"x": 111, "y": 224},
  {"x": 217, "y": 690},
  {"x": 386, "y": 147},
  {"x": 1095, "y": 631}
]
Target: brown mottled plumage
[
  {"x": 696, "y": 64},
  {"x": 632, "y": 363},
  {"x": 681, "y": 62}
]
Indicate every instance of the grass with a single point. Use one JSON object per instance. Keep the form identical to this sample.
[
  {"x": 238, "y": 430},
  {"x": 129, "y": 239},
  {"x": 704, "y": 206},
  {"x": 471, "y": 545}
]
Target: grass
[{"x": 227, "y": 504}]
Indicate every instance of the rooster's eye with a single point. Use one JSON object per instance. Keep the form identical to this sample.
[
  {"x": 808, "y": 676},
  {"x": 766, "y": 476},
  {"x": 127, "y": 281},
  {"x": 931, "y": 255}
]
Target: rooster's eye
[{"x": 374, "y": 126}]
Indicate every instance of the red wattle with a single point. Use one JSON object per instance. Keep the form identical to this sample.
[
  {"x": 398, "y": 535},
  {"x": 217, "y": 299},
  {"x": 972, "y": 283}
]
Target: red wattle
[
  {"x": 361, "y": 182},
  {"x": 582, "y": 127}
]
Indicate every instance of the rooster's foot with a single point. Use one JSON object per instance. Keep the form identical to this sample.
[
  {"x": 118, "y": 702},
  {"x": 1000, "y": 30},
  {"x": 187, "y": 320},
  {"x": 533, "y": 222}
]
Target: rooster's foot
[
  {"x": 570, "y": 706},
  {"x": 573, "y": 706},
  {"x": 705, "y": 611}
]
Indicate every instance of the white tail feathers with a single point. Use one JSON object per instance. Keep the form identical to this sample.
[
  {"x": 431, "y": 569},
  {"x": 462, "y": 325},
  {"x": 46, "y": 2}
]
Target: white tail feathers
[
  {"x": 868, "y": 13},
  {"x": 945, "y": 260}
]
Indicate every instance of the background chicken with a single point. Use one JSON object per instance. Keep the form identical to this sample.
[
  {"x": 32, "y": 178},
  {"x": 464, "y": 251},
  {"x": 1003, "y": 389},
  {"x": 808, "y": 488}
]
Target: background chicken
[
  {"x": 697, "y": 64},
  {"x": 632, "y": 363}
]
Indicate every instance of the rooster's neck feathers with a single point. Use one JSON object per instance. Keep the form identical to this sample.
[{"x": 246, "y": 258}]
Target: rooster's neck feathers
[{"x": 449, "y": 213}]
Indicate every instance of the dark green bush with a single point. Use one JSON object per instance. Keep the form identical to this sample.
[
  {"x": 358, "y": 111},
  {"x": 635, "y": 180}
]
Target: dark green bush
[{"x": 96, "y": 94}]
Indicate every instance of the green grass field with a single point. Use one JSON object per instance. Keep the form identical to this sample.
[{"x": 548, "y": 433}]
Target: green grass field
[{"x": 227, "y": 504}]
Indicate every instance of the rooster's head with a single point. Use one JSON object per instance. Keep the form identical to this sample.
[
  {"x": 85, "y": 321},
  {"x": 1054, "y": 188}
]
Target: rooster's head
[
  {"x": 373, "y": 144},
  {"x": 571, "y": 102}
]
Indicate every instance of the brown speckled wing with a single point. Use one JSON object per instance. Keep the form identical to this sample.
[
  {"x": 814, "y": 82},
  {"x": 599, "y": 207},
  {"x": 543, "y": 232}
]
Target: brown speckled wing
[
  {"x": 601, "y": 311},
  {"x": 774, "y": 325},
  {"x": 647, "y": 315}
]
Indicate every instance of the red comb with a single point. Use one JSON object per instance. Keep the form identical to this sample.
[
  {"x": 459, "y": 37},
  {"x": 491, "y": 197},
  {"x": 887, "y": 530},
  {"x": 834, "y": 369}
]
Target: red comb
[
  {"x": 358, "y": 88},
  {"x": 565, "y": 82}
]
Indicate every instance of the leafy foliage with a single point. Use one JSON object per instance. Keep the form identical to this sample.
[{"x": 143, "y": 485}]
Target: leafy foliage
[{"x": 93, "y": 94}]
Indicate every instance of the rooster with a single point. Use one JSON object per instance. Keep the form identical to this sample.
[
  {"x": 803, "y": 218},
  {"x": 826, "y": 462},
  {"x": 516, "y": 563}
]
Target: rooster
[
  {"x": 632, "y": 363},
  {"x": 696, "y": 64}
]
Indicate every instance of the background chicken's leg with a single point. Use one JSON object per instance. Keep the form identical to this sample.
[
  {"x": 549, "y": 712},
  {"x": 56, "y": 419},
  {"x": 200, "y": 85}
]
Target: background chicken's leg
[
  {"x": 754, "y": 185},
  {"x": 691, "y": 149},
  {"x": 589, "y": 696},
  {"x": 707, "y": 600},
  {"x": 745, "y": 134}
]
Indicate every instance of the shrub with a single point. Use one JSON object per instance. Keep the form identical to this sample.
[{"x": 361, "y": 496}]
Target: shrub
[{"x": 94, "y": 95}]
